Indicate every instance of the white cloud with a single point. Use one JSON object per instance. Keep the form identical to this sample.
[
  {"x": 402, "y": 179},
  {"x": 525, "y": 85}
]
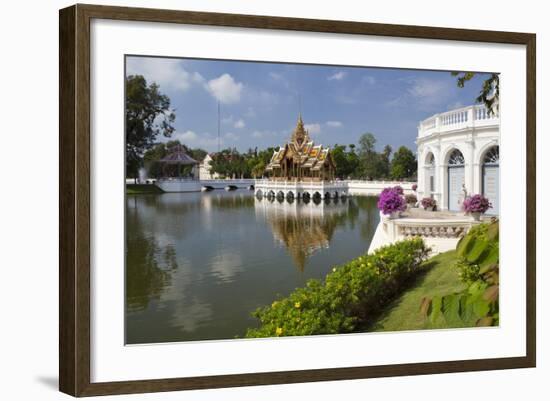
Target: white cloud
[
  {"x": 455, "y": 105},
  {"x": 225, "y": 89},
  {"x": 334, "y": 123},
  {"x": 313, "y": 129},
  {"x": 426, "y": 88},
  {"x": 258, "y": 134},
  {"x": 267, "y": 133},
  {"x": 184, "y": 137},
  {"x": 192, "y": 139},
  {"x": 368, "y": 79},
  {"x": 231, "y": 136},
  {"x": 337, "y": 76},
  {"x": 227, "y": 120},
  {"x": 230, "y": 120},
  {"x": 169, "y": 74},
  {"x": 424, "y": 94}
]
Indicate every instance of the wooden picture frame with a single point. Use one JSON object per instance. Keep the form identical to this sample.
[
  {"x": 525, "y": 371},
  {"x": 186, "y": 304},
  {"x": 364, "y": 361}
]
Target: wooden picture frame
[{"x": 74, "y": 204}]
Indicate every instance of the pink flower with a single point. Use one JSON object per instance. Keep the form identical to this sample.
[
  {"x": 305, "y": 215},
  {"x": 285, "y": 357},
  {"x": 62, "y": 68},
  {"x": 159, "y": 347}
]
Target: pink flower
[{"x": 391, "y": 200}]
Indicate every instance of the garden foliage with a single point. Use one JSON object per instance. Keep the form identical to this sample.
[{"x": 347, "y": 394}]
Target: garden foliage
[
  {"x": 350, "y": 295},
  {"x": 478, "y": 267}
]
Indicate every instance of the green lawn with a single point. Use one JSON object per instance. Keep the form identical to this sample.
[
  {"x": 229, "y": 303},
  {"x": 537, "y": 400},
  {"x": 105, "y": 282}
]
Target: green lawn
[
  {"x": 404, "y": 312},
  {"x": 135, "y": 189}
]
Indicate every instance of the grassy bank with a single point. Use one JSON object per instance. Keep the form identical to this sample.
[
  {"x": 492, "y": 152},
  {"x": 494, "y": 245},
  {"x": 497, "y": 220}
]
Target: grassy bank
[
  {"x": 459, "y": 288},
  {"x": 136, "y": 189},
  {"x": 404, "y": 312}
]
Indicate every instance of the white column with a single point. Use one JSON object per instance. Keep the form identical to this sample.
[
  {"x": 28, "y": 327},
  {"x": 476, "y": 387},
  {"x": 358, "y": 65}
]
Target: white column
[{"x": 469, "y": 168}]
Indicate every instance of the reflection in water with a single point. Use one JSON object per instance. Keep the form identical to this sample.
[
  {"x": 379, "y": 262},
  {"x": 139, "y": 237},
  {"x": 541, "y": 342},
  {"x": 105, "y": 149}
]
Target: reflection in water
[
  {"x": 302, "y": 227},
  {"x": 199, "y": 263}
]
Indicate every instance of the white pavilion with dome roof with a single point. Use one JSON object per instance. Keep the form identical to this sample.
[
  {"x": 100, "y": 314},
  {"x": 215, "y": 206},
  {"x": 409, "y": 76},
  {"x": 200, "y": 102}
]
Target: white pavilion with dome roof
[{"x": 458, "y": 155}]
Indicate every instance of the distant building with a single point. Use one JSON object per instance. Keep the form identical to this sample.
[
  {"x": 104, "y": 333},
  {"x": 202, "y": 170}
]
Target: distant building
[
  {"x": 458, "y": 154},
  {"x": 205, "y": 169},
  {"x": 301, "y": 160}
]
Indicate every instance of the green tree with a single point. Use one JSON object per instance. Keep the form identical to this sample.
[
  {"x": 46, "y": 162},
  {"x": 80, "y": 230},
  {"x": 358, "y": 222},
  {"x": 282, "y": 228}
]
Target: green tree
[
  {"x": 340, "y": 158},
  {"x": 403, "y": 164},
  {"x": 148, "y": 115},
  {"x": 383, "y": 168},
  {"x": 368, "y": 157},
  {"x": 490, "y": 89}
]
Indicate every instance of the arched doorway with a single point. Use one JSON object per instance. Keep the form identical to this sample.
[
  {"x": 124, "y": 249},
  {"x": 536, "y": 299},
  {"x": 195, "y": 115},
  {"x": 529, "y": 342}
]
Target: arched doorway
[
  {"x": 455, "y": 180},
  {"x": 430, "y": 175},
  {"x": 490, "y": 178}
]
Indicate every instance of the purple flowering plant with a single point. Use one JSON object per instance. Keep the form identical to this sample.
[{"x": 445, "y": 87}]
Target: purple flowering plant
[
  {"x": 428, "y": 203},
  {"x": 476, "y": 204},
  {"x": 414, "y": 187},
  {"x": 391, "y": 200}
]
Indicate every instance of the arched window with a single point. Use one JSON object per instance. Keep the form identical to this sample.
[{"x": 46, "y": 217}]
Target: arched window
[
  {"x": 491, "y": 178},
  {"x": 430, "y": 160},
  {"x": 430, "y": 174},
  {"x": 455, "y": 180},
  {"x": 491, "y": 156},
  {"x": 456, "y": 158}
]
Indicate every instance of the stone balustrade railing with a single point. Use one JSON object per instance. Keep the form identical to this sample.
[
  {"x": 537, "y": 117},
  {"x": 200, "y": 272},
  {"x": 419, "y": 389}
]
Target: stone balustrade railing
[
  {"x": 444, "y": 231},
  {"x": 464, "y": 117}
]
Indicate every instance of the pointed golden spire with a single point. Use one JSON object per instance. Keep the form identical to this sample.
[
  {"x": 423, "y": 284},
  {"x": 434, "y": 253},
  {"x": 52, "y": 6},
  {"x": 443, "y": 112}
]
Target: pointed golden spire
[{"x": 300, "y": 134}]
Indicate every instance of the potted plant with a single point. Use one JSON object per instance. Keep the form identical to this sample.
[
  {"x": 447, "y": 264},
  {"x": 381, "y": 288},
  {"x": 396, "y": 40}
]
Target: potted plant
[
  {"x": 476, "y": 205},
  {"x": 392, "y": 202},
  {"x": 411, "y": 200},
  {"x": 429, "y": 204}
]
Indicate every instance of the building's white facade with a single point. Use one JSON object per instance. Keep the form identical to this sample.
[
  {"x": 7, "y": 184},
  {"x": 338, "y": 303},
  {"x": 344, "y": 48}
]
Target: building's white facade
[
  {"x": 458, "y": 154},
  {"x": 205, "y": 170}
]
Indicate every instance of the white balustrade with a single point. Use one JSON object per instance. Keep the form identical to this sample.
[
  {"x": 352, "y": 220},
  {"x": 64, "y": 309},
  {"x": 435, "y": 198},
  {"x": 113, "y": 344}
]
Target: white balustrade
[{"x": 465, "y": 117}]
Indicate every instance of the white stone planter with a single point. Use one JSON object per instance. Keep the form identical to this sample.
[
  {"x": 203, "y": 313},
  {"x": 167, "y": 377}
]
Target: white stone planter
[
  {"x": 476, "y": 216},
  {"x": 395, "y": 215}
]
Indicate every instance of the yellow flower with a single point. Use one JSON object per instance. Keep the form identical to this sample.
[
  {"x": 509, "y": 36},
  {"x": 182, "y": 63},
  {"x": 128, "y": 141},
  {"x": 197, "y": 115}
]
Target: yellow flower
[
  {"x": 297, "y": 304},
  {"x": 334, "y": 269},
  {"x": 279, "y": 331},
  {"x": 274, "y": 304}
]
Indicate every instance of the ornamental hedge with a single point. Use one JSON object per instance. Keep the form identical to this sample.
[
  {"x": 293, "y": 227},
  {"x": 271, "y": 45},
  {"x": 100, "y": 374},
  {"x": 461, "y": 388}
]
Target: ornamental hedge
[{"x": 350, "y": 296}]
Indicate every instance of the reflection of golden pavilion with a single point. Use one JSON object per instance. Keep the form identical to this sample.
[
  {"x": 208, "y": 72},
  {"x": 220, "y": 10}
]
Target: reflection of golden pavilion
[
  {"x": 301, "y": 159},
  {"x": 301, "y": 169},
  {"x": 302, "y": 228}
]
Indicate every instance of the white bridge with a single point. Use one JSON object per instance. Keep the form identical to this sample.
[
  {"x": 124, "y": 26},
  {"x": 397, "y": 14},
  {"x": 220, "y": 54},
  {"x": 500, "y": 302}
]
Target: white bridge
[
  {"x": 193, "y": 185},
  {"x": 301, "y": 189}
]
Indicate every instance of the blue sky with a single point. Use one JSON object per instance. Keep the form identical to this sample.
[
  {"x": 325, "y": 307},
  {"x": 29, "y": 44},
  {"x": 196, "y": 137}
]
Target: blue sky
[{"x": 260, "y": 102}]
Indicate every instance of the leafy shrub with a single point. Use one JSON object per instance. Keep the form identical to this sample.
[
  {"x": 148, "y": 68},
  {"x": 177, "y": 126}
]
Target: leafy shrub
[
  {"x": 468, "y": 272},
  {"x": 348, "y": 297},
  {"x": 478, "y": 267}
]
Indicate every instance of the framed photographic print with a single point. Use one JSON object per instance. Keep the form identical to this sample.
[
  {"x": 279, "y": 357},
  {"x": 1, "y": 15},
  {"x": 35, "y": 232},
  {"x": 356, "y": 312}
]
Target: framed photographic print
[{"x": 250, "y": 200}]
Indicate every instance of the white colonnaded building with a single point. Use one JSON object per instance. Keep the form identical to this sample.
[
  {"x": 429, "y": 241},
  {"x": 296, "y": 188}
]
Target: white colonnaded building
[{"x": 458, "y": 155}]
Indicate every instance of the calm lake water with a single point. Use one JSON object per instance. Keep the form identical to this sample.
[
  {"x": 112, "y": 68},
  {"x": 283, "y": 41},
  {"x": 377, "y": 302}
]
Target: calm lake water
[{"x": 199, "y": 263}]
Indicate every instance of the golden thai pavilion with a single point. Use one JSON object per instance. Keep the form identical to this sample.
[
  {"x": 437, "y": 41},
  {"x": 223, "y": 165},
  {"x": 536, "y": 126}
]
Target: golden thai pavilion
[{"x": 301, "y": 160}]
